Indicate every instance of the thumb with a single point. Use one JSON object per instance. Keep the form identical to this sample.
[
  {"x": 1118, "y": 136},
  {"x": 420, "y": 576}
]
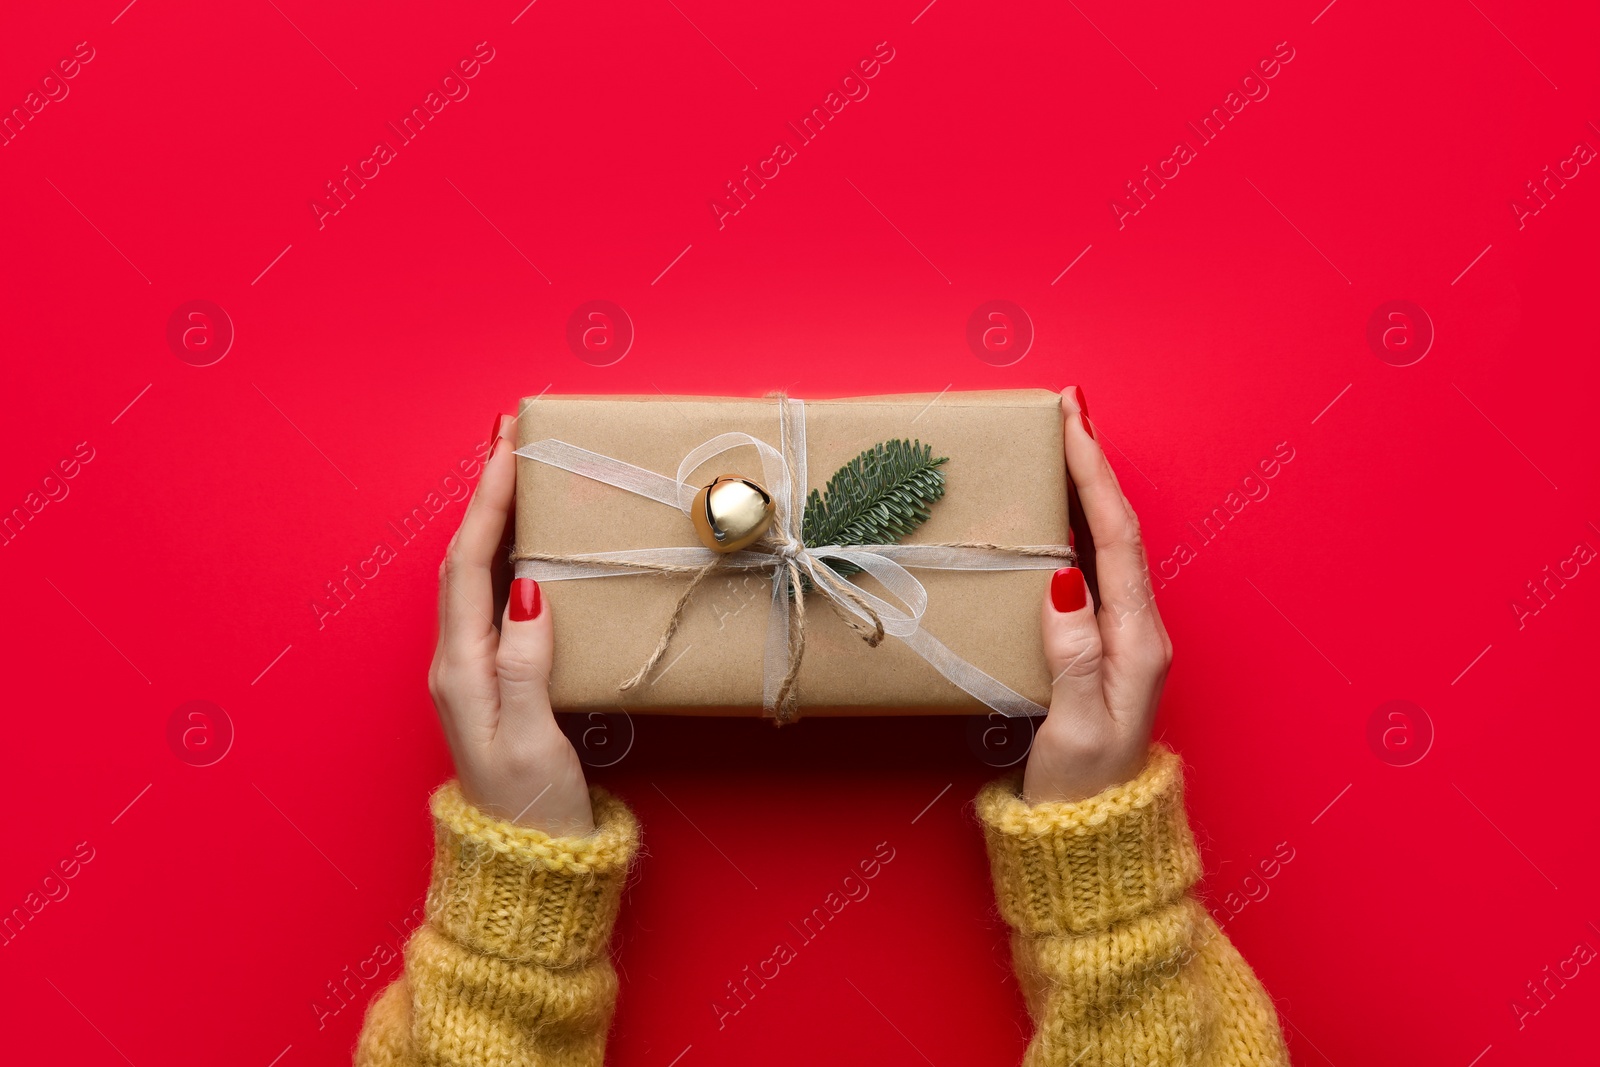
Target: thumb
[
  {"x": 539, "y": 767},
  {"x": 524, "y": 657},
  {"x": 1071, "y": 642}
]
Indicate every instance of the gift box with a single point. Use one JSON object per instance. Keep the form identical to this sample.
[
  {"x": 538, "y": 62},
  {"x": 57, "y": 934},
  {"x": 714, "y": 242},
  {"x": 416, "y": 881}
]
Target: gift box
[{"x": 1004, "y": 487}]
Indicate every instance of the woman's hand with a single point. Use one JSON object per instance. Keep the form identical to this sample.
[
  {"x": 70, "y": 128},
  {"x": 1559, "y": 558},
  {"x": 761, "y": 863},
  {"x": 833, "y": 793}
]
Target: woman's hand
[
  {"x": 492, "y": 687},
  {"x": 1108, "y": 669}
]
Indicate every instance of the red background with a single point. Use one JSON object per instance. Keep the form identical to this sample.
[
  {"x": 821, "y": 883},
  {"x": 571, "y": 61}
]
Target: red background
[{"x": 1229, "y": 315}]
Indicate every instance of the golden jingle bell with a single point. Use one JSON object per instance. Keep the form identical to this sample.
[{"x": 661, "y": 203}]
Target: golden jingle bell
[{"x": 732, "y": 513}]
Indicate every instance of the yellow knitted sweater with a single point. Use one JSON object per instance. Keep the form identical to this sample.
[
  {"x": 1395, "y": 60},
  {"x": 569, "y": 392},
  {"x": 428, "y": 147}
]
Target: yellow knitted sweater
[{"x": 1118, "y": 963}]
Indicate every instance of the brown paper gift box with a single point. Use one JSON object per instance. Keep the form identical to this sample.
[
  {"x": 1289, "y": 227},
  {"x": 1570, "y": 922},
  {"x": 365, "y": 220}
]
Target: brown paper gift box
[{"x": 1005, "y": 483}]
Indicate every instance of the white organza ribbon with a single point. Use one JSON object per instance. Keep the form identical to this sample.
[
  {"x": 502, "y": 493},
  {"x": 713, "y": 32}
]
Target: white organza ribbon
[{"x": 786, "y": 481}]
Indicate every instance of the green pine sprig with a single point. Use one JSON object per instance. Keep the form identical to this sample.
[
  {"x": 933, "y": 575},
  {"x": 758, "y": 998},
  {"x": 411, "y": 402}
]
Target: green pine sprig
[{"x": 875, "y": 499}]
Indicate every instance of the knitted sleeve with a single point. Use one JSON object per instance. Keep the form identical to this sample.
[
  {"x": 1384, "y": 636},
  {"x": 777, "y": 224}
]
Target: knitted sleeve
[
  {"x": 511, "y": 966},
  {"x": 1117, "y": 961}
]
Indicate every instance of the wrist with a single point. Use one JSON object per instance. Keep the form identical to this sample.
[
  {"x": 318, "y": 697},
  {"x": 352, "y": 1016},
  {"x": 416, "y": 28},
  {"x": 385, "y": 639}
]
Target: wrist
[
  {"x": 1069, "y": 769},
  {"x": 546, "y": 791}
]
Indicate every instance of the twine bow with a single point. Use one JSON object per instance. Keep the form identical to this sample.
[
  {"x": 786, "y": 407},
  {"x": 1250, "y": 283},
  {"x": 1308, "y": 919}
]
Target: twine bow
[{"x": 791, "y": 561}]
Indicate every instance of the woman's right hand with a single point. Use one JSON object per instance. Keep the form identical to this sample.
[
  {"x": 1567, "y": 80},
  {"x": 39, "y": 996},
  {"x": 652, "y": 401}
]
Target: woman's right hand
[
  {"x": 492, "y": 685},
  {"x": 1108, "y": 668}
]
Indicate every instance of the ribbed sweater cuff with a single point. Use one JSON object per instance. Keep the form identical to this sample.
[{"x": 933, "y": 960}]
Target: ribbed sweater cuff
[
  {"x": 1065, "y": 868},
  {"x": 522, "y": 895}
]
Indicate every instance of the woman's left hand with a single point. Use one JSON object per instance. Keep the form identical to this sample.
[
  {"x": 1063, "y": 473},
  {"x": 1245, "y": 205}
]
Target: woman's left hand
[{"x": 492, "y": 684}]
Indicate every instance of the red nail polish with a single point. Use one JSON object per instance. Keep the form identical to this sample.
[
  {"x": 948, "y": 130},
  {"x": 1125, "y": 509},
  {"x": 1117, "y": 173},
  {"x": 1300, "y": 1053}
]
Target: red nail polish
[
  {"x": 1067, "y": 591},
  {"x": 1083, "y": 409},
  {"x": 526, "y": 601},
  {"x": 494, "y": 436}
]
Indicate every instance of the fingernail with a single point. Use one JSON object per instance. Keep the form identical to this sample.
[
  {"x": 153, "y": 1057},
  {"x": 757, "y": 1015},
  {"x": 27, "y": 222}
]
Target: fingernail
[
  {"x": 494, "y": 434},
  {"x": 1067, "y": 591},
  {"x": 526, "y": 602},
  {"x": 1083, "y": 409}
]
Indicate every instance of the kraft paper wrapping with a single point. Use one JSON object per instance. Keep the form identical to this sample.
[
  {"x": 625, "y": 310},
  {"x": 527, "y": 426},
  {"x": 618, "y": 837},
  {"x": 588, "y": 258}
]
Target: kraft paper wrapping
[{"x": 1005, "y": 482}]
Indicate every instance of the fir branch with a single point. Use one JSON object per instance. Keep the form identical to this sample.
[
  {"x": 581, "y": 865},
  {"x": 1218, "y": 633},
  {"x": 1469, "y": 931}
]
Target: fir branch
[{"x": 875, "y": 499}]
